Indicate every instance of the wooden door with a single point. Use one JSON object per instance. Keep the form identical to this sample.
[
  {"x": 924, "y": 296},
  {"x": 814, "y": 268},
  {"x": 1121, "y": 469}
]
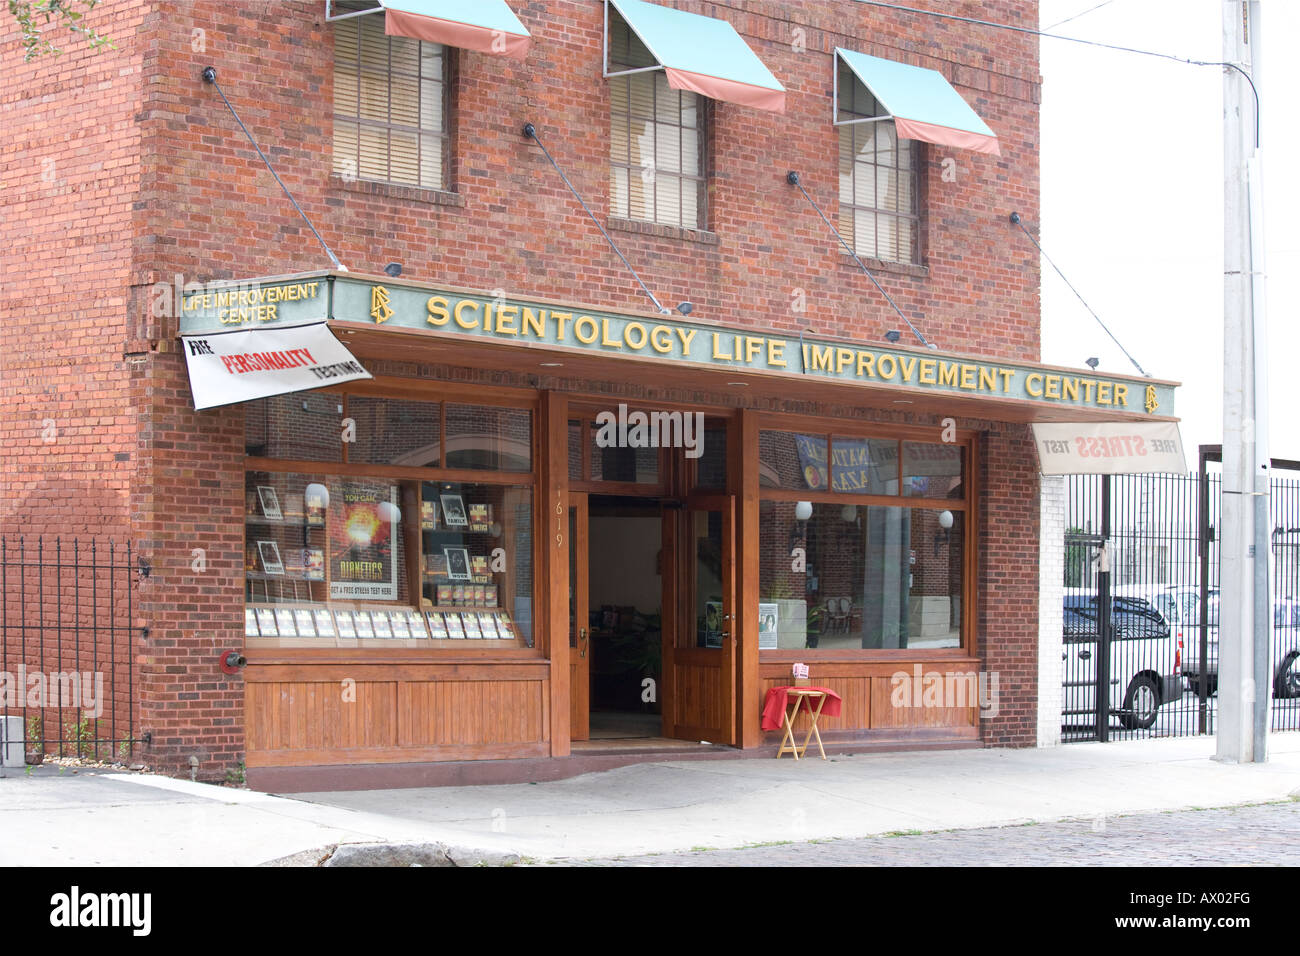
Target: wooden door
[
  {"x": 579, "y": 618},
  {"x": 699, "y": 660}
]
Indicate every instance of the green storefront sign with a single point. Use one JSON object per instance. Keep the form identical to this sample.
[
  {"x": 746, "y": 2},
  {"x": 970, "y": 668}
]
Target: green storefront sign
[{"x": 506, "y": 319}]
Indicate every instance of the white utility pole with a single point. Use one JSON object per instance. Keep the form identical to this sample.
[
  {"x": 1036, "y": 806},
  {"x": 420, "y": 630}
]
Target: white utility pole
[{"x": 1245, "y": 614}]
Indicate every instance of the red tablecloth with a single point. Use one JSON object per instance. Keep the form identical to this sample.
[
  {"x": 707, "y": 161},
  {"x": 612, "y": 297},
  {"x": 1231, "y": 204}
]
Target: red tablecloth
[{"x": 777, "y": 698}]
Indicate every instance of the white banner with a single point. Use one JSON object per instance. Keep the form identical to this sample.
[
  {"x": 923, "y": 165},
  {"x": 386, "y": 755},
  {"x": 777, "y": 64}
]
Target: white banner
[
  {"x": 1109, "y": 448},
  {"x": 243, "y": 364}
]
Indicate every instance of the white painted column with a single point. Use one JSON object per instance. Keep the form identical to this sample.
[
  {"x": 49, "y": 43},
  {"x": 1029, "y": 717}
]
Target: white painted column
[{"x": 1051, "y": 601}]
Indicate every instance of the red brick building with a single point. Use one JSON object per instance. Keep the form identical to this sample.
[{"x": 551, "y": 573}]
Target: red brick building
[{"x": 130, "y": 194}]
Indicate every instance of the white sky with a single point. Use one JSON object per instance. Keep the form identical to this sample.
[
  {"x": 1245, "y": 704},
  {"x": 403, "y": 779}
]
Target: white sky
[{"x": 1132, "y": 201}]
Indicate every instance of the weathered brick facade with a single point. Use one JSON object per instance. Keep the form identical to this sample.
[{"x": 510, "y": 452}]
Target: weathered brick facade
[{"x": 123, "y": 171}]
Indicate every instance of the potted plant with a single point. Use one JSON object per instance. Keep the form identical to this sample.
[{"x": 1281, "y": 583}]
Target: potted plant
[{"x": 816, "y": 615}]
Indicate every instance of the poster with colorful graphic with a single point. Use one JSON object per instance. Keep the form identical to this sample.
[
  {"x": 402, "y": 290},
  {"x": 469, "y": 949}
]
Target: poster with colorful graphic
[
  {"x": 859, "y": 465},
  {"x": 364, "y": 542}
]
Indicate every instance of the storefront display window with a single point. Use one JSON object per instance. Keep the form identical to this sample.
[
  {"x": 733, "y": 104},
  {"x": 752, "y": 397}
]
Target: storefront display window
[
  {"x": 476, "y": 567},
  {"x": 488, "y": 438},
  {"x": 387, "y": 431},
  {"x": 789, "y": 460},
  {"x": 931, "y": 470},
  {"x": 861, "y": 576},
  {"x": 863, "y": 466},
  {"x": 840, "y": 574},
  {"x": 304, "y": 426},
  {"x": 373, "y": 560}
]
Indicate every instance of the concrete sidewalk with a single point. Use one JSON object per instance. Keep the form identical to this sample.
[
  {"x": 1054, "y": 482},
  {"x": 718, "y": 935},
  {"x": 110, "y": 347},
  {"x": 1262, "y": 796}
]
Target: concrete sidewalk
[{"x": 98, "y": 817}]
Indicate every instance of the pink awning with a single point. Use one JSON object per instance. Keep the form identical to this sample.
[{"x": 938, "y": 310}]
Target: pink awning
[
  {"x": 729, "y": 91},
  {"x": 486, "y": 26},
  {"x": 947, "y": 136}
]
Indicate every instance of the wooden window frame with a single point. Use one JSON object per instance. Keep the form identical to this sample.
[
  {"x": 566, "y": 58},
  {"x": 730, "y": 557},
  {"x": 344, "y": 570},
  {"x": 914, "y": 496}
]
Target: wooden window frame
[
  {"x": 522, "y": 399},
  {"x": 967, "y": 505}
]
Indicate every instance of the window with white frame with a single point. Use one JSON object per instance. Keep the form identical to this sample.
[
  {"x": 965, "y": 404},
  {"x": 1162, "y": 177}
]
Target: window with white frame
[
  {"x": 390, "y": 110},
  {"x": 879, "y": 178}
]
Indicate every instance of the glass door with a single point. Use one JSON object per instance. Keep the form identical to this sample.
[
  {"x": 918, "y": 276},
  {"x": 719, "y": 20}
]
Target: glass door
[
  {"x": 700, "y": 689},
  {"x": 579, "y": 621}
]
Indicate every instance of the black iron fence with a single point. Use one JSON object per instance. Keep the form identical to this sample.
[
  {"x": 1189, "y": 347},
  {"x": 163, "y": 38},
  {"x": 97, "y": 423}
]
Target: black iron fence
[
  {"x": 1152, "y": 669},
  {"x": 67, "y": 669}
]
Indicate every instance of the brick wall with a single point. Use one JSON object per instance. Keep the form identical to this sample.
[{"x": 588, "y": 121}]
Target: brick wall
[
  {"x": 69, "y": 177},
  {"x": 1008, "y": 598},
  {"x": 160, "y": 183}
]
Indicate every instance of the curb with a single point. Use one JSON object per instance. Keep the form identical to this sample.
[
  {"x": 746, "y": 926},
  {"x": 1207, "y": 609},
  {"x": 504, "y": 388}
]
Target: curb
[{"x": 395, "y": 854}]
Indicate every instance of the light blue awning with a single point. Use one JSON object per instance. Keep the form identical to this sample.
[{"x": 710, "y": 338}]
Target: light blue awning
[
  {"x": 702, "y": 54},
  {"x": 921, "y": 102}
]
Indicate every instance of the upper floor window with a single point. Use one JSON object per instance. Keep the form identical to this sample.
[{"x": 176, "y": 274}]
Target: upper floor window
[
  {"x": 657, "y": 140},
  {"x": 879, "y": 182},
  {"x": 390, "y": 112}
]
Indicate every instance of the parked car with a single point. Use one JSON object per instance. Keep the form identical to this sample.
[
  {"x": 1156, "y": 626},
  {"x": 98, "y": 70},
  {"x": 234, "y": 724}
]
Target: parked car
[
  {"x": 1284, "y": 642},
  {"x": 1145, "y": 659},
  {"x": 1286, "y": 648}
]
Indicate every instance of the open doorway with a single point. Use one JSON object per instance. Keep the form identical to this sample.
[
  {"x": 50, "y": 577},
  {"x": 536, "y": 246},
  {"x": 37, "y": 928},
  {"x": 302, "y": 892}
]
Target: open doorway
[{"x": 625, "y": 616}]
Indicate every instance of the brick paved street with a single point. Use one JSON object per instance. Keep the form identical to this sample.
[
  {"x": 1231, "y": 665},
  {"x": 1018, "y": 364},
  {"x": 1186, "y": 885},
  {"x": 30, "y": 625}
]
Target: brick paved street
[{"x": 1266, "y": 835}]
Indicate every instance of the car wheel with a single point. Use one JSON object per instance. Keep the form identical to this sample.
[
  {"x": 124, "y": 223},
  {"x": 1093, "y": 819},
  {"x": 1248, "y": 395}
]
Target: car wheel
[
  {"x": 1211, "y": 685},
  {"x": 1287, "y": 683},
  {"x": 1141, "y": 703}
]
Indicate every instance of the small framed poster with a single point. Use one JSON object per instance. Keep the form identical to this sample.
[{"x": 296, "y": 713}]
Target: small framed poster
[
  {"x": 397, "y": 622},
  {"x": 270, "y": 503},
  {"x": 313, "y": 564},
  {"x": 416, "y": 623},
  {"x": 270, "y": 555},
  {"x": 453, "y": 511},
  {"x": 250, "y": 622},
  {"x": 347, "y": 624},
  {"x": 284, "y": 621},
  {"x": 712, "y": 623},
  {"x": 768, "y": 616},
  {"x": 306, "y": 623},
  {"x": 266, "y": 622},
  {"x": 457, "y": 563},
  {"x": 324, "y": 623},
  {"x": 428, "y": 516}
]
